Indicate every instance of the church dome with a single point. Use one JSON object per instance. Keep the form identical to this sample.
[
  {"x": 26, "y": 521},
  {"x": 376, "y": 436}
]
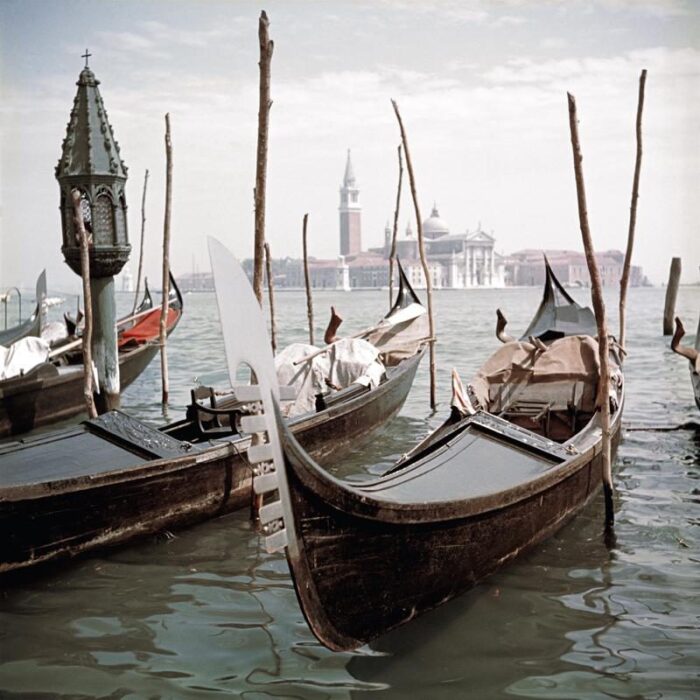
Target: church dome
[{"x": 434, "y": 226}]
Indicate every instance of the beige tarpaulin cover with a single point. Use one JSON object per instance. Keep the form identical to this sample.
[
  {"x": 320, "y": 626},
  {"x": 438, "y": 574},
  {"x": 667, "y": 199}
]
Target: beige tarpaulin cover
[
  {"x": 401, "y": 334},
  {"x": 570, "y": 359}
]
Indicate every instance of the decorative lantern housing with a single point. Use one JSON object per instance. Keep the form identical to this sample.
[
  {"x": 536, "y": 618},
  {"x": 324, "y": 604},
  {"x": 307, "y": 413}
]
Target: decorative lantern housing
[{"x": 90, "y": 162}]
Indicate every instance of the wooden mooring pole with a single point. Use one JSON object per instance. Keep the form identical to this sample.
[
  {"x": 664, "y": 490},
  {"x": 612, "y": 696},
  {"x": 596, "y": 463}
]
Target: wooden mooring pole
[
  {"x": 87, "y": 303},
  {"x": 271, "y": 297},
  {"x": 266, "y": 48},
  {"x": 627, "y": 265},
  {"x": 307, "y": 283},
  {"x": 166, "y": 261},
  {"x": 674, "y": 277},
  {"x": 599, "y": 308},
  {"x": 421, "y": 248}
]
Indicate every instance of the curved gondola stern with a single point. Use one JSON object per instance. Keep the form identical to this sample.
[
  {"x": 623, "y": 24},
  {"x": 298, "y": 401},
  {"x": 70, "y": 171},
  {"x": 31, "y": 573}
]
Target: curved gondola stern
[
  {"x": 147, "y": 301},
  {"x": 406, "y": 295},
  {"x": 559, "y": 314},
  {"x": 41, "y": 294},
  {"x": 175, "y": 296}
]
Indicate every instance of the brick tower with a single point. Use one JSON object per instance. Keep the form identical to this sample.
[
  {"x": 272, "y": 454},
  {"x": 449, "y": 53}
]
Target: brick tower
[{"x": 350, "y": 213}]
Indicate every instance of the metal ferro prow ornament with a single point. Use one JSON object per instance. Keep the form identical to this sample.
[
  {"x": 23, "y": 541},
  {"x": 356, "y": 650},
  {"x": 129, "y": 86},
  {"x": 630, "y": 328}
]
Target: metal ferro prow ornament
[{"x": 246, "y": 342}]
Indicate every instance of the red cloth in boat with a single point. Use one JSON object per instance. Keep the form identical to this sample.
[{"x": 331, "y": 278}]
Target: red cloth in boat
[{"x": 147, "y": 328}]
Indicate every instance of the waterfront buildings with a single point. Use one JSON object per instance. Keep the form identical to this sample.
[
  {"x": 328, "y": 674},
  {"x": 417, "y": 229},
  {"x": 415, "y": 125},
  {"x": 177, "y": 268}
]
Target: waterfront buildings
[{"x": 455, "y": 260}]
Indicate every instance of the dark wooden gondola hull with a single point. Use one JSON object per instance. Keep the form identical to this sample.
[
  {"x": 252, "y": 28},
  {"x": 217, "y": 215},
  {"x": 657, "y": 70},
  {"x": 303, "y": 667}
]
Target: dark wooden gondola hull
[
  {"x": 40, "y": 398},
  {"x": 79, "y": 515},
  {"x": 370, "y": 575},
  {"x": 45, "y": 395}
]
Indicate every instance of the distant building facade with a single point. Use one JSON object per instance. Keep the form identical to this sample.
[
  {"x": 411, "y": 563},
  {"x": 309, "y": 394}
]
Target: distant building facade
[{"x": 525, "y": 268}]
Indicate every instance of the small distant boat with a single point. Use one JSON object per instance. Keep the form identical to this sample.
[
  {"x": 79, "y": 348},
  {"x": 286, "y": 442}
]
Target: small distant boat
[
  {"x": 691, "y": 354},
  {"x": 32, "y": 325},
  {"x": 518, "y": 457},
  {"x": 53, "y": 390}
]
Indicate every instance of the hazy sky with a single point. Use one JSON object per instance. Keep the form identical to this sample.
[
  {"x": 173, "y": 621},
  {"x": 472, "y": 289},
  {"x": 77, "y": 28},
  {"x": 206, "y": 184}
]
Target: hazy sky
[{"x": 481, "y": 87}]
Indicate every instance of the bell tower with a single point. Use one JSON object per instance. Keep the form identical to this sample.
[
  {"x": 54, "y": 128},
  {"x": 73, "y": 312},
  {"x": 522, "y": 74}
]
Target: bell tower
[{"x": 350, "y": 213}]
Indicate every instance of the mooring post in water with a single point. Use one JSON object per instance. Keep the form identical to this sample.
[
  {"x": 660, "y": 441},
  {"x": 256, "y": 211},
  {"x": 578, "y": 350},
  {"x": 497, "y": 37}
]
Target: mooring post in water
[
  {"x": 627, "y": 265},
  {"x": 164, "y": 309},
  {"x": 307, "y": 282},
  {"x": 421, "y": 248},
  {"x": 271, "y": 297},
  {"x": 264, "y": 103},
  {"x": 266, "y": 48},
  {"x": 599, "y": 308},
  {"x": 674, "y": 277},
  {"x": 392, "y": 253},
  {"x": 91, "y": 164}
]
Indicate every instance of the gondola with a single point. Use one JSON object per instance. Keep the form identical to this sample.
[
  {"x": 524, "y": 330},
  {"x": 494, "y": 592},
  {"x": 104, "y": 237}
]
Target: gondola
[
  {"x": 520, "y": 454},
  {"x": 53, "y": 390},
  {"x": 146, "y": 304},
  {"x": 691, "y": 354},
  {"x": 114, "y": 479},
  {"x": 32, "y": 325}
]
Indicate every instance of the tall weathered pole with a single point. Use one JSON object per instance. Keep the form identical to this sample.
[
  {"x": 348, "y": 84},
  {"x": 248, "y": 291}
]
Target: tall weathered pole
[
  {"x": 625, "y": 278},
  {"x": 83, "y": 241},
  {"x": 266, "y": 48},
  {"x": 91, "y": 163},
  {"x": 392, "y": 253},
  {"x": 599, "y": 309},
  {"x": 271, "y": 297},
  {"x": 421, "y": 248},
  {"x": 143, "y": 233},
  {"x": 163, "y": 336},
  {"x": 307, "y": 283}
]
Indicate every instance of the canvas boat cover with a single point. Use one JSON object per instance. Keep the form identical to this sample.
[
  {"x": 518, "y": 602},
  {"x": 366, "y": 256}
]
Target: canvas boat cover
[
  {"x": 347, "y": 361},
  {"x": 567, "y": 361},
  {"x": 22, "y": 356}
]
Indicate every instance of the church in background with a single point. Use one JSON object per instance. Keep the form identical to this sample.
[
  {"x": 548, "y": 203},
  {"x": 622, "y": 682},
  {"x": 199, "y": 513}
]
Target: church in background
[{"x": 455, "y": 260}]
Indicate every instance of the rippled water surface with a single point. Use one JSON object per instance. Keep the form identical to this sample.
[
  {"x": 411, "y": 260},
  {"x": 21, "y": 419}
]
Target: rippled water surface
[{"x": 205, "y": 612}]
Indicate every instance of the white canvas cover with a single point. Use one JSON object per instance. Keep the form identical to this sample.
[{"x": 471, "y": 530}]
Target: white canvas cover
[
  {"x": 347, "y": 361},
  {"x": 307, "y": 378},
  {"x": 54, "y": 332},
  {"x": 22, "y": 355}
]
